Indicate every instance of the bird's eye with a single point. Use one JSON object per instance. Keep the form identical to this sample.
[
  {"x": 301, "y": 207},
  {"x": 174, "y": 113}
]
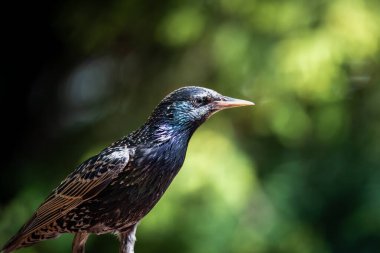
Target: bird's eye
[{"x": 199, "y": 101}]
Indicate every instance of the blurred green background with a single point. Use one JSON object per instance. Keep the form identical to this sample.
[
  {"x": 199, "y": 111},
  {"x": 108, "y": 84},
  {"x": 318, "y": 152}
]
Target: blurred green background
[{"x": 299, "y": 172}]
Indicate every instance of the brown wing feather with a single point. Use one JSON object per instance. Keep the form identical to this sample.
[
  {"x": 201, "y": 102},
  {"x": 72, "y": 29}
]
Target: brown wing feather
[{"x": 84, "y": 183}]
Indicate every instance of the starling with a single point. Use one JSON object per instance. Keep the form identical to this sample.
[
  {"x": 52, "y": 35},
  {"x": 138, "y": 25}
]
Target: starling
[{"x": 113, "y": 190}]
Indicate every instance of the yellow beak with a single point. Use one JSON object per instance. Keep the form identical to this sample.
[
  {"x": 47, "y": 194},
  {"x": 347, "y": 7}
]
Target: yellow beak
[{"x": 228, "y": 102}]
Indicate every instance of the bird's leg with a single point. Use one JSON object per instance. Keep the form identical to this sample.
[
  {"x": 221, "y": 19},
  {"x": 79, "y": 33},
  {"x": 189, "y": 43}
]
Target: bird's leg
[
  {"x": 127, "y": 240},
  {"x": 79, "y": 242}
]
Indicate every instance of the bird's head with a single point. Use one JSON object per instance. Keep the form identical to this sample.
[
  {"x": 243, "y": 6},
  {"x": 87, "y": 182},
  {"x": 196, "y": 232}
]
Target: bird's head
[{"x": 188, "y": 107}]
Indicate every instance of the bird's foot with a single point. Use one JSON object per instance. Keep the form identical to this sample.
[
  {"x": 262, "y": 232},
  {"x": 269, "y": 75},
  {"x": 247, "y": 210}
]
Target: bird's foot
[{"x": 128, "y": 239}]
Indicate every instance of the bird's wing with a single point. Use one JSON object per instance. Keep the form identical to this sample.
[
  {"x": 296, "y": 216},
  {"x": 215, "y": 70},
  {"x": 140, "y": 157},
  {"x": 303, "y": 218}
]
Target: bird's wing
[{"x": 84, "y": 183}]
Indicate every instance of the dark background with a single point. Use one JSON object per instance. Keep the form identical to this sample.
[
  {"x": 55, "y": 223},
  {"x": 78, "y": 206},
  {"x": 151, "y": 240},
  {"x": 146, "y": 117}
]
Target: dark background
[{"x": 299, "y": 172}]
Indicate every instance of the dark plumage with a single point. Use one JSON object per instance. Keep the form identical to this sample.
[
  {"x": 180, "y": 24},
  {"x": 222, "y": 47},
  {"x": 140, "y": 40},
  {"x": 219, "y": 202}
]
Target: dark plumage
[{"x": 112, "y": 191}]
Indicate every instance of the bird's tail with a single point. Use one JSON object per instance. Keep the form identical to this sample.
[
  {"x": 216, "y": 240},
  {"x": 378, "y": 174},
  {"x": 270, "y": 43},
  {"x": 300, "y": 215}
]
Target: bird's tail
[
  {"x": 14, "y": 243},
  {"x": 21, "y": 239}
]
